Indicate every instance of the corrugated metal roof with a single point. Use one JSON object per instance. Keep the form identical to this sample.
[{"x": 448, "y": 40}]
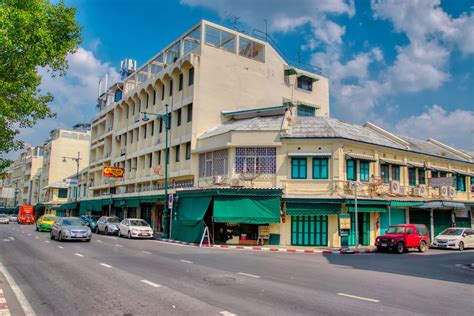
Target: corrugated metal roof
[{"x": 269, "y": 123}]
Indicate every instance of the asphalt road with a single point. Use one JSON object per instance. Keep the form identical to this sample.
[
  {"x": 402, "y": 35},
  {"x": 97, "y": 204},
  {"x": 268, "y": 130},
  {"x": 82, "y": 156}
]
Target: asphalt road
[{"x": 118, "y": 276}]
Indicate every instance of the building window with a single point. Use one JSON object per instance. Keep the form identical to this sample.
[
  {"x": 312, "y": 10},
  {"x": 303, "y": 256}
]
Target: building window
[
  {"x": 117, "y": 96},
  {"x": 154, "y": 96},
  {"x": 412, "y": 176},
  {"x": 150, "y": 161},
  {"x": 147, "y": 100},
  {"x": 178, "y": 118},
  {"x": 421, "y": 176},
  {"x": 459, "y": 182},
  {"x": 159, "y": 158},
  {"x": 188, "y": 151},
  {"x": 163, "y": 92},
  {"x": 180, "y": 86},
  {"x": 178, "y": 152},
  {"x": 220, "y": 39},
  {"x": 298, "y": 168},
  {"x": 304, "y": 110},
  {"x": 131, "y": 136},
  {"x": 364, "y": 171},
  {"x": 255, "y": 160},
  {"x": 384, "y": 173},
  {"x": 191, "y": 77},
  {"x": 144, "y": 131},
  {"x": 472, "y": 184},
  {"x": 85, "y": 190},
  {"x": 171, "y": 87},
  {"x": 320, "y": 168},
  {"x": 161, "y": 125},
  {"x": 62, "y": 194},
  {"x": 138, "y": 135},
  {"x": 351, "y": 169},
  {"x": 152, "y": 128},
  {"x": 251, "y": 49},
  {"x": 213, "y": 163},
  {"x": 396, "y": 173},
  {"x": 305, "y": 83},
  {"x": 190, "y": 112}
]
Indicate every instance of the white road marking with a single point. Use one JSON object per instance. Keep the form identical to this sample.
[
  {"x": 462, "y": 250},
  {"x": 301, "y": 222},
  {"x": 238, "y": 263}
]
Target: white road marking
[
  {"x": 106, "y": 265},
  {"x": 37, "y": 237},
  {"x": 118, "y": 245},
  {"x": 226, "y": 313},
  {"x": 249, "y": 275},
  {"x": 359, "y": 297},
  {"x": 25, "y": 305},
  {"x": 99, "y": 240},
  {"x": 114, "y": 238},
  {"x": 186, "y": 261},
  {"x": 29, "y": 234},
  {"x": 165, "y": 242},
  {"x": 11, "y": 238},
  {"x": 47, "y": 241},
  {"x": 60, "y": 247},
  {"x": 6, "y": 239},
  {"x": 147, "y": 252},
  {"x": 78, "y": 254},
  {"x": 150, "y": 283}
]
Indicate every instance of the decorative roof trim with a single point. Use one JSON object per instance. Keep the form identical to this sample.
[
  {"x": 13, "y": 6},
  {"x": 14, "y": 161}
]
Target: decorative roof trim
[
  {"x": 350, "y": 155},
  {"x": 309, "y": 154}
]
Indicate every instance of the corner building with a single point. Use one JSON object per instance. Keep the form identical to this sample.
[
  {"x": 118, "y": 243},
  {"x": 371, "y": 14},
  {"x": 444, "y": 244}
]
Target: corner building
[{"x": 255, "y": 156}]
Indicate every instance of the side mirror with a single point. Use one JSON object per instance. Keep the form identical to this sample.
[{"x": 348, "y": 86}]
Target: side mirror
[{"x": 464, "y": 235}]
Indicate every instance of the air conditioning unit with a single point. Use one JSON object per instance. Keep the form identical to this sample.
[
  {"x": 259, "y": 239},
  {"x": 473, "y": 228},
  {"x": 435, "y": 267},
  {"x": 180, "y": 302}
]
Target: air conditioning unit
[
  {"x": 158, "y": 141},
  {"x": 120, "y": 190},
  {"x": 403, "y": 190},
  {"x": 416, "y": 191},
  {"x": 118, "y": 137},
  {"x": 123, "y": 151},
  {"x": 217, "y": 180},
  {"x": 452, "y": 192},
  {"x": 443, "y": 191},
  {"x": 236, "y": 182},
  {"x": 137, "y": 118},
  {"x": 422, "y": 189},
  {"x": 395, "y": 186}
]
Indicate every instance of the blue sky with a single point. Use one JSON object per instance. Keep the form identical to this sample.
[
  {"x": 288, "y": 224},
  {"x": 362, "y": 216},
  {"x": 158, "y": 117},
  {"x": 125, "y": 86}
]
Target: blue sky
[{"x": 405, "y": 65}]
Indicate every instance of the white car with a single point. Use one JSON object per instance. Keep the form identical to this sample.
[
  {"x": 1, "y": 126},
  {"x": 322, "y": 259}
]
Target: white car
[
  {"x": 455, "y": 238},
  {"x": 135, "y": 228},
  {"x": 4, "y": 219}
]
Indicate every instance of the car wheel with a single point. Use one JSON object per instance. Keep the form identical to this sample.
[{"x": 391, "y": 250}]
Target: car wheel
[
  {"x": 461, "y": 246},
  {"x": 400, "y": 248},
  {"x": 88, "y": 240},
  {"x": 380, "y": 249},
  {"x": 37, "y": 229},
  {"x": 106, "y": 231},
  {"x": 97, "y": 230},
  {"x": 51, "y": 236},
  {"x": 60, "y": 238},
  {"x": 422, "y": 247},
  {"x": 129, "y": 235}
]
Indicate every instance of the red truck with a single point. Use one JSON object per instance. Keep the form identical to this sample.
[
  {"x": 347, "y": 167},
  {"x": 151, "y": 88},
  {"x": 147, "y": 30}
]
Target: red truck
[
  {"x": 26, "y": 215},
  {"x": 402, "y": 237}
]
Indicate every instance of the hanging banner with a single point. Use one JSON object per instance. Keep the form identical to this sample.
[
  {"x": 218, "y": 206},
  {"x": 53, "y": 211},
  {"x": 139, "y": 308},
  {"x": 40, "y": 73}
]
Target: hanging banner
[{"x": 114, "y": 172}]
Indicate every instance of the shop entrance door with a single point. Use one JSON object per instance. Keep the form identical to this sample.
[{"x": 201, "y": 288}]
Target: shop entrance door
[
  {"x": 442, "y": 219},
  {"x": 421, "y": 216},
  {"x": 309, "y": 230},
  {"x": 363, "y": 225}
]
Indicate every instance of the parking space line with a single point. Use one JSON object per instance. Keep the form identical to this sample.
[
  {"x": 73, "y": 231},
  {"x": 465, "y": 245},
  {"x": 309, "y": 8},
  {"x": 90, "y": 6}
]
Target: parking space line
[
  {"x": 150, "y": 283},
  {"x": 106, "y": 265},
  {"x": 186, "y": 261},
  {"x": 249, "y": 275},
  {"x": 78, "y": 254},
  {"x": 359, "y": 297}
]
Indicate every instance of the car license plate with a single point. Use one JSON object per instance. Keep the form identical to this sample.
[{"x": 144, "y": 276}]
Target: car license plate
[{"x": 384, "y": 245}]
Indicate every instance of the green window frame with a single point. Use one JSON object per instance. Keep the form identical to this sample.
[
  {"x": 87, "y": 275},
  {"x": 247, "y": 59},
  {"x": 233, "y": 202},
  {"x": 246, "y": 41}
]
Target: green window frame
[
  {"x": 298, "y": 168},
  {"x": 412, "y": 176},
  {"x": 62, "y": 193},
  {"x": 320, "y": 168},
  {"x": 351, "y": 166},
  {"x": 461, "y": 183},
  {"x": 364, "y": 170},
  {"x": 304, "y": 110},
  {"x": 384, "y": 173},
  {"x": 395, "y": 173},
  {"x": 421, "y": 176}
]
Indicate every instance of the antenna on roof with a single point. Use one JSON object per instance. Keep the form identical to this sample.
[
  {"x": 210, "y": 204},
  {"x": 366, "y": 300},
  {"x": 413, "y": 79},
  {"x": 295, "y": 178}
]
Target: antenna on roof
[{"x": 234, "y": 19}]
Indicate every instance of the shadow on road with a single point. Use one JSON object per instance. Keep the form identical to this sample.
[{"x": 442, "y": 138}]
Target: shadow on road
[{"x": 442, "y": 265}]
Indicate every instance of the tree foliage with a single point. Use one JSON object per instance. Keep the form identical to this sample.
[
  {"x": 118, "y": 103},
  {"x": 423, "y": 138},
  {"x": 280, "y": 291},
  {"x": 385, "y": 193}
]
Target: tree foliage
[{"x": 34, "y": 34}]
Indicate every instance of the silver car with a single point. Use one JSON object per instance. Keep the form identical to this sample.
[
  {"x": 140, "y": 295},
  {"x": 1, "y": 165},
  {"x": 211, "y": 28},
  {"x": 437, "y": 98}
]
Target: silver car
[
  {"x": 4, "y": 219},
  {"x": 70, "y": 228},
  {"x": 109, "y": 225},
  {"x": 13, "y": 218}
]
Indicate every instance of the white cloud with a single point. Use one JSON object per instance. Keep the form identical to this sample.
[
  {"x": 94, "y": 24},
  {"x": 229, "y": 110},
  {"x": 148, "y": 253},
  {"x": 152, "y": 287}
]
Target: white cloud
[{"x": 454, "y": 128}]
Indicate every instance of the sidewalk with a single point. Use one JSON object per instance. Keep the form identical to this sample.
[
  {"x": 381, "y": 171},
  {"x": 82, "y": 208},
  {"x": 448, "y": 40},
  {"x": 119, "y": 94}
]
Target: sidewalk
[{"x": 291, "y": 249}]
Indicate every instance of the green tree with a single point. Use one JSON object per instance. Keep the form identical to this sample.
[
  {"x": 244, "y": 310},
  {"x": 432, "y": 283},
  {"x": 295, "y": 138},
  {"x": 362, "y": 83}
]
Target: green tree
[{"x": 33, "y": 34}]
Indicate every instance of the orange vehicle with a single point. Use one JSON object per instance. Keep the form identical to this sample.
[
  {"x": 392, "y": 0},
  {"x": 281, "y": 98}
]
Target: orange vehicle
[{"x": 26, "y": 215}]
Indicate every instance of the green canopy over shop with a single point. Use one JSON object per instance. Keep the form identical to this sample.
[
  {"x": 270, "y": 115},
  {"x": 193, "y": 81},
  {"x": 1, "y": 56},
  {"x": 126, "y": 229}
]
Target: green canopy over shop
[
  {"x": 367, "y": 208},
  {"x": 247, "y": 210},
  {"x": 406, "y": 203},
  {"x": 295, "y": 209},
  {"x": 68, "y": 206},
  {"x": 188, "y": 224}
]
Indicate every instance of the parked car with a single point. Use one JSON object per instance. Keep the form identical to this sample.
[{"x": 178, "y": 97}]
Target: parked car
[
  {"x": 13, "y": 218},
  {"x": 4, "y": 219},
  {"x": 107, "y": 225},
  {"x": 455, "y": 238},
  {"x": 45, "y": 222},
  {"x": 402, "y": 237},
  {"x": 70, "y": 228},
  {"x": 135, "y": 228},
  {"x": 90, "y": 220}
]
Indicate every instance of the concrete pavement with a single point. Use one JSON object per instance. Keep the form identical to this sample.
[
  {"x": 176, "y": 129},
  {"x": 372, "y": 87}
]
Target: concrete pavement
[{"x": 112, "y": 275}]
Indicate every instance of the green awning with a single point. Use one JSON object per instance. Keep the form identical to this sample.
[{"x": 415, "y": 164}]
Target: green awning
[
  {"x": 290, "y": 71},
  {"x": 192, "y": 210},
  {"x": 127, "y": 202},
  {"x": 312, "y": 209},
  {"x": 248, "y": 210},
  {"x": 307, "y": 76},
  {"x": 308, "y": 104},
  {"x": 405, "y": 203},
  {"x": 368, "y": 202},
  {"x": 367, "y": 208},
  {"x": 152, "y": 199},
  {"x": 68, "y": 206}
]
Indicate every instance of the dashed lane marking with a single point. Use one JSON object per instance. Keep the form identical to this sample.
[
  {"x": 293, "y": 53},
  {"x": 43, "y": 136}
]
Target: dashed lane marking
[
  {"x": 78, "y": 254},
  {"x": 226, "y": 313},
  {"x": 99, "y": 240},
  {"x": 106, "y": 265},
  {"x": 150, "y": 283},
  {"x": 249, "y": 275},
  {"x": 147, "y": 252},
  {"x": 37, "y": 237},
  {"x": 60, "y": 247},
  {"x": 118, "y": 245},
  {"x": 359, "y": 297},
  {"x": 186, "y": 261},
  {"x": 47, "y": 241}
]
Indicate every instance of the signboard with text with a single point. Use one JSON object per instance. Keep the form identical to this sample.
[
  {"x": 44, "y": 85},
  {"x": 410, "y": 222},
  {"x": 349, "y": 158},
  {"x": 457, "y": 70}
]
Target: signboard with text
[
  {"x": 114, "y": 172},
  {"x": 441, "y": 182}
]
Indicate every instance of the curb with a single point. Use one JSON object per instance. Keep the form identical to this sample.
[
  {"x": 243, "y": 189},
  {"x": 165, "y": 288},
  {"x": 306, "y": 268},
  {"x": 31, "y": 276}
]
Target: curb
[{"x": 274, "y": 249}]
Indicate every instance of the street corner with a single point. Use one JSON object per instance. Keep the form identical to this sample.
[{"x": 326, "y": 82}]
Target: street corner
[{"x": 9, "y": 304}]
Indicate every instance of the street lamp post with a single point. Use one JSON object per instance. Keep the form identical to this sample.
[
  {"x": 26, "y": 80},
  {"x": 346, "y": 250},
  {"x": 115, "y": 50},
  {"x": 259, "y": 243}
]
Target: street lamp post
[
  {"x": 167, "y": 119},
  {"x": 77, "y": 160},
  {"x": 355, "y": 186}
]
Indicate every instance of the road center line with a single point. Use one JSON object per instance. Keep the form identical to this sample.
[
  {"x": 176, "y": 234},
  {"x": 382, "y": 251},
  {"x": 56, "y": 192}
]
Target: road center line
[
  {"x": 78, "y": 254},
  {"x": 147, "y": 252},
  {"x": 106, "y": 265},
  {"x": 186, "y": 261},
  {"x": 249, "y": 275},
  {"x": 60, "y": 247},
  {"x": 358, "y": 297},
  {"x": 150, "y": 283}
]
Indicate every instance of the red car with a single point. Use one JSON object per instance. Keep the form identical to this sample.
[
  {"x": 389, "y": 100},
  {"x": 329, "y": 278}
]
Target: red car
[{"x": 402, "y": 237}]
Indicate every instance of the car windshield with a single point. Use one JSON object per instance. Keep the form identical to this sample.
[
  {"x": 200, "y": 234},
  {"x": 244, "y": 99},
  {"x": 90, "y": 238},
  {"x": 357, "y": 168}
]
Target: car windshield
[
  {"x": 72, "y": 222},
  {"x": 452, "y": 232},
  {"x": 3, "y": 215},
  {"x": 113, "y": 220},
  {"x": 396, "y": 230},
  {"x": 95, "y": 218},
  {"x": 48, "y": 218},
  {"x": 138, "y": 222}
]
